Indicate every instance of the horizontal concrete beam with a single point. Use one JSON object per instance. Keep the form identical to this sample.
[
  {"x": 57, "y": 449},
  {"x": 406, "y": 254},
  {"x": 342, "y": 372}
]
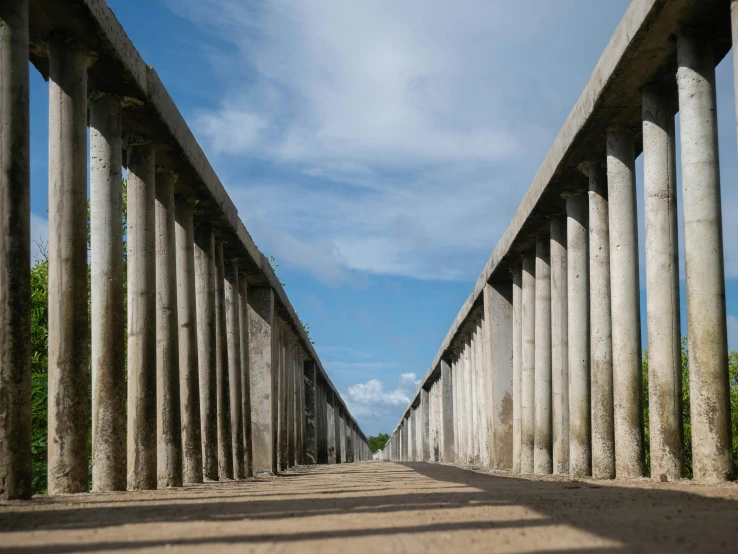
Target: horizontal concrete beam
[
  {"x": 642, "y": 51},
  {"x": 116, "y": 67}
]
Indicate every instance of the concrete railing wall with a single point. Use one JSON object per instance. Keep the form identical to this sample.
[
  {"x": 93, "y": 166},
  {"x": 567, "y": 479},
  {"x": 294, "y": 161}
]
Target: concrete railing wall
[
  {"x": 541, "y": 369},
  {"x": 218, "y": 379}
]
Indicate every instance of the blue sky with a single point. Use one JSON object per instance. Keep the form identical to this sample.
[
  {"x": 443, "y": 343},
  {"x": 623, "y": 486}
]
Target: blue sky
[{"x": 378, "y": 150}]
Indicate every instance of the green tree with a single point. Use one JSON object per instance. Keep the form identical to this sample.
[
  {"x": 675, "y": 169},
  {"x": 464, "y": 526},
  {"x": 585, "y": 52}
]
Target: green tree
[{"x": 378, "y": 442}]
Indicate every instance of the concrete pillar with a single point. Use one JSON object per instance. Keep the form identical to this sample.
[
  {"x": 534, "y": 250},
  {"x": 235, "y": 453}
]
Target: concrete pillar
[
  {"x": 291, "y": 404},
  {"x": 626, "y": 305},
  {"x": 243, "y": 325},
  {"x": 662, "y": 286},
  {"x": 107, "y": 297},
  {"x": 341, "y": 434},
  {"x": 263, "y": 378},
  {"x": 225, "y": 444},
  {"x": 498, "y": 310},
  {"x": 577, "y": 271},
  {"x": 168, "y": 420},
  {"x": 311, "y": 419},
  {"x": 189, "y": 387},
  {"x": 475, "y": 386},
  {"x": 281, "y": 399},
  {"x": 600, "y": 321},
  {"x": 517, "y": 367},
  {"x": 331, "y": 417},
  {"x": 468, "y": 403},
  {"x": 205, "y": 309},
  {"x": 349, "y": 442},
  {"x": 322, "y": 425},
  {"x": 447, "y": 414},
  {"x": 527, "y": 426},
  {"x": 15, "y": 254},
  {"x": 456, "y": 409},
  {"x": 559, "y": 348},
  {"x": 142, "y": 471},
  {"x": 69, "y": 412},
  {"x": 425, "y": 425},
  {"x": 703, "y": 256},
  {"x": 542, "y": 451},
  {"x": 233, "y": 329},
  {"x": 485, "y": 397}
]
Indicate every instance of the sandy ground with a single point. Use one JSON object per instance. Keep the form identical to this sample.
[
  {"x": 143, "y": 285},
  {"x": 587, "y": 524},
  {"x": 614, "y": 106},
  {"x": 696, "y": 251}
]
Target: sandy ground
[{"x": 383, "y": 507}]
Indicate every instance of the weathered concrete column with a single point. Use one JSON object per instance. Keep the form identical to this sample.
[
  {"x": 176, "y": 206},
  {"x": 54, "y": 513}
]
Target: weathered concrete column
[
  {"x": 15, "y": 254},
  {"x": 498, "y": 309},
  {"x": 468, "y": 401},
  {"x": 341, "y": 434},
  {"x": 291, "y": 427},
  {"x": 600, "y": 322},
  {"x": 577, "y": 270},
  {"x": 425, "y": 425},
  {"x": 233, "y": 328},
  {"x": 189, "y": 387},
  {"x": 475, "y": 386},
  {"x": 517, "y": 367},
  {"x": 331, "y": 417},
  {"x": 142, "y": 471},
  {"x": 225, "y": 444},
  {"x": 322, "y": 423},
  {"x": 205, "y": 309},
  {"x": 447, "y": 414},
  {"x": 626, "y": 305},
  {"x": 282, "y": 398},
  {"x": 542, "y": 451},
  {"x": 69, "y": 411},
  {"x": 263, "y": 378},
  {"x": 527, "y": 426},
  {"x": 456, "y": 409},
  {"x": 243, "y": 325},
  {"x": 662, "y": 286},
  {"x": 703, "y": 256},
  {"x": 168, "y": 419},
  {"x": 349, "y": 442},
  {"x": 411, "y": 436},
  {"x": 559, "y": 348},
  {"x": 107, "y": 300},
  {"x": 311, "y": 419}
]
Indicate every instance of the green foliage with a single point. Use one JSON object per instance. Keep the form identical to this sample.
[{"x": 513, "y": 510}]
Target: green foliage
[
  {"x": 686, "y": 416},
  {"x": 39, "y": 371},
  {"x": 378, "y": 442}
]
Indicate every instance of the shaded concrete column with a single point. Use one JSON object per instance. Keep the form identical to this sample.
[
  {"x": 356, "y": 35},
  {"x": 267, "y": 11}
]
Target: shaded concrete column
[
  {"x": 225, "y": 444},
  {"x": 282, "y": 394},
  {"x": 311, "y": 419},
  {"x": 447, "y": 413},
  {"x": 331, "y": 417},
  {"x": 263, "y": 378},
  {"x": 341, "y": 435},
  {"x": 485, "y": 397},
  {"x": 577, "y": 279},
  {"x": 517, "y": 365},
  {"x": 662, "y": 286},
  {"x": 205, "y": 310},
  {"x": 411, "y": 436},
  {"x": 15, "y": 254},
  {"x": 107, "y": 301},
  {"x": 626, "y": 305},
  {"x": 189, "y": 387},
  {"x": 69, "y": 411},
  {"x": 703, "y": 256},
  {"x": 168, "y": 419},
  {"x": 142, "y": 471},
  {"x": 349, "y": 442},
  {"x": 425, "y": 425},
  {"x": 291, "y": 405},
  {"x": 559, "y": 348},
  {"x": 243, "y": 326},
  {"x": 600, "y": 326},
  {"x": 542, "y": 451},
  {"x": 233, "y": 328},
  {"x": 527, "y": 414},
  {"x": 322, "y": 426},
  {"x": 498, "y": 309}
]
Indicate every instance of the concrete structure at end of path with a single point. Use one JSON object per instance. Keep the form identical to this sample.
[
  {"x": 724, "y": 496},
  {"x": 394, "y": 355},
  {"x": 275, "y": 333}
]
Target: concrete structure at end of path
[
  {"x": 541, "y": 370},
  {"x": 223, "y": 381}
]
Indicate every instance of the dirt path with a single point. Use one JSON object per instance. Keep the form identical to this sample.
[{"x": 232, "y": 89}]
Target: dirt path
[{"x": 382, "y": 507}]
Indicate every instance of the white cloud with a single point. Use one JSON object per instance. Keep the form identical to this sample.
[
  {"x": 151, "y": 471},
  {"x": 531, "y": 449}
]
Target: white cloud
[
  {"x": 370, "y": 399},
  {"x": 399, "y": 137}
]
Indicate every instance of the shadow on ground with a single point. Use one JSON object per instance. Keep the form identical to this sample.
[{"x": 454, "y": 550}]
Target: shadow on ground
[{"x": 640, "y": 517}]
